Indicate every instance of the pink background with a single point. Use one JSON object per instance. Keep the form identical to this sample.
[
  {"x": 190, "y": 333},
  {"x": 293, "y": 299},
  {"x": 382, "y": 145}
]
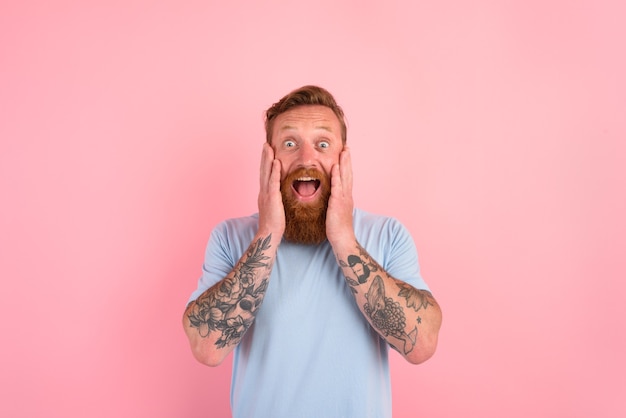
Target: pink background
[{"x": 497, "y": 132}]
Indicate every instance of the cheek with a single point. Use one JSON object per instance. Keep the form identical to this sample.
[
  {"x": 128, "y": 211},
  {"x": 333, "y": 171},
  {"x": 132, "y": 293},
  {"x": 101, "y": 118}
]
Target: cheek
[{"x": 328, "y": 164}]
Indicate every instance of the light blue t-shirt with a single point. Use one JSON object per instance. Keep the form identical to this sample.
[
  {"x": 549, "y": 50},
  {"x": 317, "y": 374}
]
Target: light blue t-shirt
[{"x": 311, "y": 352}]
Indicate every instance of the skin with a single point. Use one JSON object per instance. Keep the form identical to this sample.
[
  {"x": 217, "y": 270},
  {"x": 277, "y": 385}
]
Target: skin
[{"x": 310, "y": 136}]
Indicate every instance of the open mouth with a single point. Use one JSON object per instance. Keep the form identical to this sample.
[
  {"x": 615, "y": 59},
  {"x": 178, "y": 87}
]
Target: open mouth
[{"x": 306, "y": 187}]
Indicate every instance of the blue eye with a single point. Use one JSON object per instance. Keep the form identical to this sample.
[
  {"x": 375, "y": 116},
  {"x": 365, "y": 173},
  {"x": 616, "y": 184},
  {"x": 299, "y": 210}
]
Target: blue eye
[
  {"x": 289, "y": 144},
  {"x": 324, "y": 144}
]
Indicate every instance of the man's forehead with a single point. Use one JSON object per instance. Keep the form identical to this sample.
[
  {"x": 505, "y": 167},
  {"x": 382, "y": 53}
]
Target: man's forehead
[{"x": 314, "y": 116}]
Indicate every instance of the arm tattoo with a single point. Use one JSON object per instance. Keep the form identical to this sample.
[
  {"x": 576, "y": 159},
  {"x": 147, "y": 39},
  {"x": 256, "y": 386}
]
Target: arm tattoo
[
  {"x": 388, "y": 316},
  {"x": 217, "y": 310},
  {"x": 361, "y": 269},
  {"x": 416, "y": 299}
]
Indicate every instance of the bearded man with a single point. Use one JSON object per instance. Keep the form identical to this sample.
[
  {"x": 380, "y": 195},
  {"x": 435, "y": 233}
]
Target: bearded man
[{"x": 310, "y": 292}]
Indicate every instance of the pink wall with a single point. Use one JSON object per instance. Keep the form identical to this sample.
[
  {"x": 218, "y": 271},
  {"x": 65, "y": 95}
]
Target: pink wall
[{"x": 129, "y": 128}]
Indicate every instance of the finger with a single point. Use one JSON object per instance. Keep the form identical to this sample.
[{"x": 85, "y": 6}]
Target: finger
[
  {"x": 335, "y": 181},
  {"x": 274, "y": 181},
  {"x": 267, "y": 158},
  {"x": 346, "y": 171}
]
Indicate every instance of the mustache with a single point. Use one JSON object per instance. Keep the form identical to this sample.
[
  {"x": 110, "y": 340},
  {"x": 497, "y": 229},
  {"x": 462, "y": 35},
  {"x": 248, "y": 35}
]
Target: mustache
[{"x": 305, "y": 172}]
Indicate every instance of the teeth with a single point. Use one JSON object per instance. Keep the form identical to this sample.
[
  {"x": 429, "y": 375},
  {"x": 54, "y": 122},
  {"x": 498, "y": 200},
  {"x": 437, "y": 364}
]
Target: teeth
[{"x": 305, "y": 179}]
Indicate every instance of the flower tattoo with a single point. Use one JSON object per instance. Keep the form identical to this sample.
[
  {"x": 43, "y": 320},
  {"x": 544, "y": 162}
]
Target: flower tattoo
[{"x": 218, "y": 310}]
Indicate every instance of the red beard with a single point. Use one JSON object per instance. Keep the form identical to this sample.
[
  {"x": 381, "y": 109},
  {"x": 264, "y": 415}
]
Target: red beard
[{"x": 305, "y": 223}]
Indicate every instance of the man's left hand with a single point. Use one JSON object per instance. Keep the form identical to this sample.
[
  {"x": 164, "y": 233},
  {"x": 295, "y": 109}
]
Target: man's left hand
[{"x": 339, "y": 227}]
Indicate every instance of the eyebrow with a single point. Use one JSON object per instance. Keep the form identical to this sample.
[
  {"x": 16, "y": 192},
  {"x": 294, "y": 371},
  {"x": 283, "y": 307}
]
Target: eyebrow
[{"x": 322, "y": 127}]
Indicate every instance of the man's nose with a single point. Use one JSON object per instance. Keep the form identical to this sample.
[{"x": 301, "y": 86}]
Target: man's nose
[{"x": 307, "y": 155}]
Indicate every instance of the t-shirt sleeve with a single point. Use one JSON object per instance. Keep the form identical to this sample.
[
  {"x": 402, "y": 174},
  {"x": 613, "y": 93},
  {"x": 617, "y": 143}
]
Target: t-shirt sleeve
[
  {"x": 218, "y": 262},
  {"x": 401, "y": 260}
]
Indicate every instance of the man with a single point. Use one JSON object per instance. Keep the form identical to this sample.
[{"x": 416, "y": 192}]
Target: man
[{"x": 310, "y": 292}]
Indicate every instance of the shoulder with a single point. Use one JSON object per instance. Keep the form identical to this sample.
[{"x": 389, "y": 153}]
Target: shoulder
[
  {"x": 370, "y": 222},
  {"x": 235, "y": 232},
  {"x": 238, "y": 224},
  {"x": 382, "y": 235}
]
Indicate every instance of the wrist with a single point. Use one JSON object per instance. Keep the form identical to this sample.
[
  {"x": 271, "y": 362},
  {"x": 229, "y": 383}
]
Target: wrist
[
  {"x": 275, "y": 233},
  {"x": 345, "y": 243}
]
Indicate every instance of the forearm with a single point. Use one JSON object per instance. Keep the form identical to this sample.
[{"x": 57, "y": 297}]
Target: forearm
[
  {"x": 217, "y": 320},
  {"x": 407, "y": 318}
]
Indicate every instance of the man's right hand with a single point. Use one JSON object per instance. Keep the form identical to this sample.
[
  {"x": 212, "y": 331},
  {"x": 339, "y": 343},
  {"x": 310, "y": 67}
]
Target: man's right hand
[{"x": 271, "y": 209}]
